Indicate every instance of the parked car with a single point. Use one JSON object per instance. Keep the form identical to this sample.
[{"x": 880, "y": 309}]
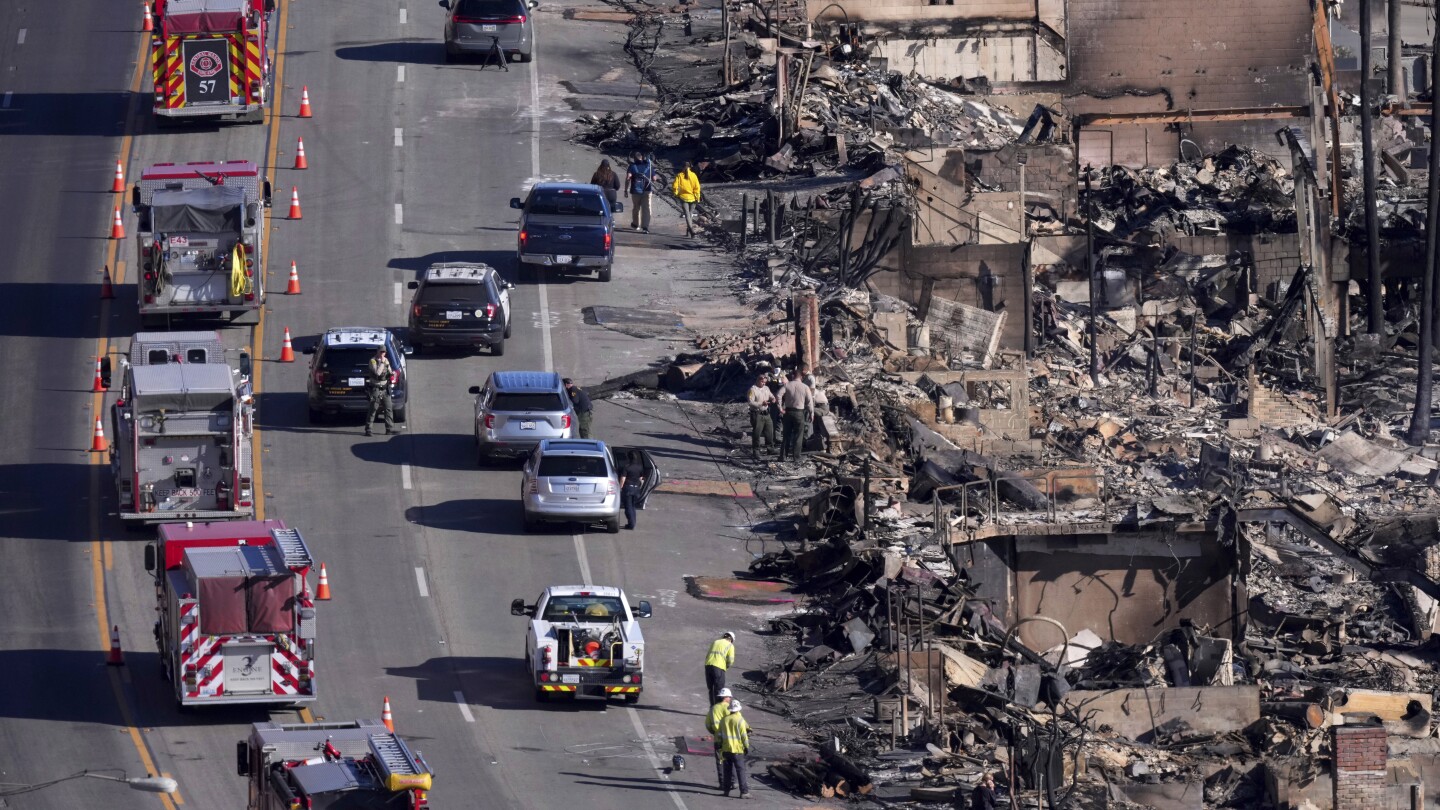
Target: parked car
[
  {"x": 516, "y": 410},
  {"x": 578, "y": 480},
  {"x": 338, "y": 363},
  {"x": 475, "y": 27},
  {"x": 567, "y": 225},
  {"x": 460, "y": 304}
]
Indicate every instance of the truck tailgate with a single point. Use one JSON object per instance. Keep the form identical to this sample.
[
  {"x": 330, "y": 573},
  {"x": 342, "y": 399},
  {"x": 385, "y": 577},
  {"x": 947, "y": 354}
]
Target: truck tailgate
[{"x": 571, "y": 239}]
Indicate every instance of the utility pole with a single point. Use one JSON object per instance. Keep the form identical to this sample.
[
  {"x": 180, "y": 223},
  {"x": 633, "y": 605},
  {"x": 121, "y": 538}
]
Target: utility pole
[
  {"x": 1376, "y": 319},
  {"x": 725, "y": 73},
  {"x": 1419, "y": 431},
  {"x": 1397, "y": 62},
  {"x": 1090, "y": 269}
]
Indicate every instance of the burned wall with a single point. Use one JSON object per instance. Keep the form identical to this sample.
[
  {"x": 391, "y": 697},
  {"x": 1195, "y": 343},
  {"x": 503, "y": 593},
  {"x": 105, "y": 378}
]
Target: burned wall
[
  {"x": 1276, "y": 256},
  {"x": 1125, "y": 586},
  {"x": 990, "y": 277}
]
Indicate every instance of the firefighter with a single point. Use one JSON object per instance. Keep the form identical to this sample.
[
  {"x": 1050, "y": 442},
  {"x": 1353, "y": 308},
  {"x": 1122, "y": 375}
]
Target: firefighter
[
  {"x": 720, "y": 658},
  {"x": 762, "y": 426},
  {"x": 734, "y": 743},
  {"x": 713, "y": 720},
  {"x": 378, "y": 379}
]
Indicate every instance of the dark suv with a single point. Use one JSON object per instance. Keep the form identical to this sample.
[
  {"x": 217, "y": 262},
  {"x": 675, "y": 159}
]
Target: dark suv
[
  {"x": 338, "y": 364},
  {"x": 460, "y": 304}
]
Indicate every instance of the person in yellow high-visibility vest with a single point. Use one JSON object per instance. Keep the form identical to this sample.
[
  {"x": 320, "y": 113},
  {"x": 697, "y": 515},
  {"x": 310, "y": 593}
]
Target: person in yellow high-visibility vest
[
  {"x": 720, "y": 658},
  {"x": 713, "y": 720},
  {"x": 734, "y": 743}
]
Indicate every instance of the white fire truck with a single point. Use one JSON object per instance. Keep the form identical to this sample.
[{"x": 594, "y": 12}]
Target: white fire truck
[
  {"x": 200, "y": 241},
  {"x": 358, "y": 765},
  {"x": 182, "y": 429},
  {"x": 237, "y": 624}
]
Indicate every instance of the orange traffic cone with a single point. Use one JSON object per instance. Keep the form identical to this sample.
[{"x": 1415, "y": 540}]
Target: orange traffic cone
[
  {"x": 300, "y": 162},
  {"x": 116, "y": 658},
  {"x": 304, "y": 102},
  {"x": 107, "y": 286},
  {"x": 294, "y": 203},
  {"x": 287, "y": 355},
  {"x": 322, "y": 591},
  {"x": 117, "y": 228},
  {"x": 149, "y": 21},
  {"x": 386, "y": 717},
  {"x": 119, "y": 185},
  {"x": 99, "y": 445},
  {"x": 293, "y": 288},
  {"x": 99, "y": 383}
]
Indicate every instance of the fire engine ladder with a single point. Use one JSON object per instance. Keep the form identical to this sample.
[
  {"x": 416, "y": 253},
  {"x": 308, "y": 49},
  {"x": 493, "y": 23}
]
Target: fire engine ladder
[
  {"x": 292, "y": 547},
  {"x": 392, "y": 756}
]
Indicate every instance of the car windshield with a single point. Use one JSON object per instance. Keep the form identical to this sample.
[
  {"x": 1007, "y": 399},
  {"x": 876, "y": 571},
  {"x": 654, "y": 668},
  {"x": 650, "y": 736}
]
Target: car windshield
[
  {"x": 567, "y": 204},
  {"x": 348, "y": 359},
  {"x": 463, "y": 293},
  {"x": 489, "y": 9},
  {"x": 527, "y": 402},
  {"x": 571, "y": 608},
  {"x": 572, "y": 466}
]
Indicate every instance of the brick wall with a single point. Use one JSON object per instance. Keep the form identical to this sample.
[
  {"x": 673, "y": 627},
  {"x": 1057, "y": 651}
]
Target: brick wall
[
  {"x": 985, "y": 276},
  {"x": 1360, "y": 756},
  {"x": 1277, "y": 409},
  {"x": 1276, "y": 255}
]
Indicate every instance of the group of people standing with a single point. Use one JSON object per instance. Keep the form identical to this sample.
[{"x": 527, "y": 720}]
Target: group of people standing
[
  {"x": 639, "y": 184},
  {"x": 792, "y": 403}
]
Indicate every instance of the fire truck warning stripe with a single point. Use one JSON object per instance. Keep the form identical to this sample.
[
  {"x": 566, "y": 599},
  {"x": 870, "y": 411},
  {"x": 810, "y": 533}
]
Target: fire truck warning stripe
[{"x": 550, "y": 688}]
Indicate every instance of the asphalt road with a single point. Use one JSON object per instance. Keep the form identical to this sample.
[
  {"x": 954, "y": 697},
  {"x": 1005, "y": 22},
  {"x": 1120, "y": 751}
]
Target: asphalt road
[{"x": 411, "y": 161}]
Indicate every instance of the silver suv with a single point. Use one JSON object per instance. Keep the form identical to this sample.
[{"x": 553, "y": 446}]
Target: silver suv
[
  {"x": 516, "y": 410},
  {"x": 578, "y": 480}
]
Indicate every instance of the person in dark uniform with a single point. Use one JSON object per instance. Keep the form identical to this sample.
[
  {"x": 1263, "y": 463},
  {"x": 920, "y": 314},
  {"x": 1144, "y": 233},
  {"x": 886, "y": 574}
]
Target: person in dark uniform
[
  {"x": 983, "y": 797},
  {"x": 583, "y": 408},
  {"x": 378, "y": 379},
  {"x": 632, "y": 477}
]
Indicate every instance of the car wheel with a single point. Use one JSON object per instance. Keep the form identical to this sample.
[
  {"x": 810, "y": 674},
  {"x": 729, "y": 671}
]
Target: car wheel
[
  {"x": 449, "y": 54},
  {"x": 524, "y": 56},
  {"x": 605, "y": 273},
  {"x": 632, "y": 698},
  {"x": 316, "y": 416},
  {"x": 507, "y": 327},
  {"x": 498, "y": 350},
  {"x": 530, "y": 526},
  {"x": 400, "y": 414},
  {"x": 613, "y": 526},
  {"x": 541, "y": 696}
]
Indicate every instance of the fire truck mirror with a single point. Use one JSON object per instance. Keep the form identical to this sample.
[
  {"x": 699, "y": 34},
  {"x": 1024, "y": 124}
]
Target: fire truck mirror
[
  {"x": 105, "y": 372},
  {"x": 247, "y": 365},
  {"x": 135, "y": 198},
  {"x": 265, "y": 193},
  {"x": 150, "y": 556},
  {"x": 242, "y": 758}
]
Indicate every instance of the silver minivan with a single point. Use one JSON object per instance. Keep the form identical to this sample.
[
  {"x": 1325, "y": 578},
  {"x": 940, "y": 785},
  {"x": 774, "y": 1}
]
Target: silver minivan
[
  {"x": 578, "y": 481},
  {"x": 516, "y": 410}
]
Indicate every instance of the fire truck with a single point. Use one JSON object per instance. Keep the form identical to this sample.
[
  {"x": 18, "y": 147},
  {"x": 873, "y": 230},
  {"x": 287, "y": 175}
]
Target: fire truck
[
  {"x": 212, "y": 58},
  {"x": 358, "y": 764},
  {"x": 237, "y": 624},
  {"x": 200, "y": 240},
  {"x": 182, "y": 427}
]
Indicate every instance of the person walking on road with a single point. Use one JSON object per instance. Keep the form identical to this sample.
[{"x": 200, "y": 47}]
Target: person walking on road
[
  {"x": 608, "y": 181},
  {"x": 795, "y": 403},
  {"x": 632, "y": 478},
  {"x": 713, "y": 721},
  {"x": 378, "y": 379},
  {"x": 734, "y": 743},
  {"x": 983, "y": 797},
  {"x": 720, "y": 658},
  {"x": 761, "y": 399},
  {"x": 639, "y": 182},
  {"x": 583, "y": 408},
  {"x": 687, "y": 188}
]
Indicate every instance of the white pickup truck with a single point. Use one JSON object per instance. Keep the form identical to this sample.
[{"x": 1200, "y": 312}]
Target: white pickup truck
[{"x": 584, "y": 642}]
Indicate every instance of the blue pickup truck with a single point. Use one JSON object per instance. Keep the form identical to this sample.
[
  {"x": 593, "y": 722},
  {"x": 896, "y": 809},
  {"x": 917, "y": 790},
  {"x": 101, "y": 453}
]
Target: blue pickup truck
[{"x": 567, "y": 225}]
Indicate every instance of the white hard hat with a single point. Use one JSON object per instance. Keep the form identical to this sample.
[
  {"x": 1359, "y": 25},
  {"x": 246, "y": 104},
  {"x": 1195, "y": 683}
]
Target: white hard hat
[
  {"x": 734, "y": 706},
  {"x": 730, "y": 634},
  {"x": 724, "y": 693}
]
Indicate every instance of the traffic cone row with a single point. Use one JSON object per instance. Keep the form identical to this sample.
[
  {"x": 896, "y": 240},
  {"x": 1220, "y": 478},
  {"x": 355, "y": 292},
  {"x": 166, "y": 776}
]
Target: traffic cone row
[
  {"x": 149, "y": 21},
  {"x": 117, "y": 228},
  {"x": 99, "y": 381},
  {"x": 386, "y": 717},
  {"x": 119, "y": 185},
  {"x": 107, "y": 286},
  {"x": 98, "y": 444},
  {"x": 287, "y": 355},
  {"x": 293, "y": 288},
  {"x": 294, "y": 205},
  {"x": 322, "y": 591},
  {"x": 300, "y": 162},
  {"x": 115, "y": 658},
  {"x": 305, "y": 102}
]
